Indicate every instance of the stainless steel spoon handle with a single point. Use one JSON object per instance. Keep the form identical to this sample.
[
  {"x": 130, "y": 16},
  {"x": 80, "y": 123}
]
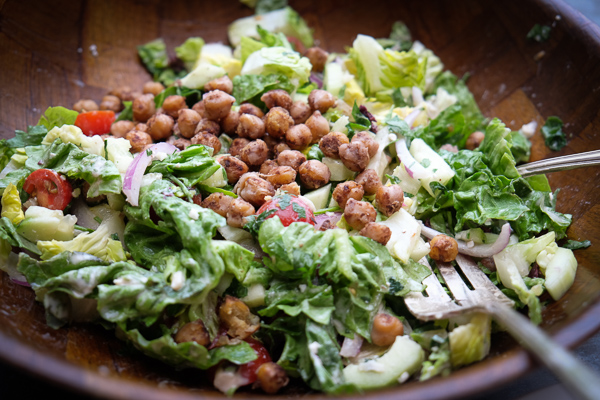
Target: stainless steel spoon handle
[{"x": 563, "y": 163}]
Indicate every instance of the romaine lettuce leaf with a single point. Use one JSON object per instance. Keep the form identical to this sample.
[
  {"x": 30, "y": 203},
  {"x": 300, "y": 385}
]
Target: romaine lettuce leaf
[{"x": 249, "y": 88}]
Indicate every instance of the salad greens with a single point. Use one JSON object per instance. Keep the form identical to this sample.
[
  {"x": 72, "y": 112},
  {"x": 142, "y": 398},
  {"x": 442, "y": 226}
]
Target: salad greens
[{"x": 152, "y": 268}]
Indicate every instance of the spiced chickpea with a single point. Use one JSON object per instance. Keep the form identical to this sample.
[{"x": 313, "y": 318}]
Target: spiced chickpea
[
  {"x": 367, "y": 140},
  {"x": 474, "y": 140},
  {"x": 354, "y": 156},
  {"x": 187, "y": 121},
  {"x": 389, "y": 199},
  {"x": 267, "y": 166},
  {"x": 298, "y": 137},
  {"x": 347, "y": 190},
  {"x": 271, "y": 377},
  {"x": 291, "y": 188},
  {"x": 279, "y": 147},
  {"x": 378, "y": 232},
  {"x": 237, "y": 145},
  {"x": 300, "y": 111},
  {"x": 206, "y": 125},
  {"x": 255, "y": 153},
  {"x": 254, "y": 189},
  {"x": 138, "y": 140},
  {"x": 84, "y": 105},
  {"x": 291, "y": 158},
  {"x": 248, "y": 108},
  {"x": 199, "y": 108},
  {"x": 217, "y": 104},
  {"x": 369, "y": 180},
  {"x": 279, "y": 176},
  {"x": 234, "y": 168},
  {"x": 124, "y": 93},
  {"x": 318, "y": 125},
  {"x": 153, "y": 87},
  {"x": 194, "y": 331},
  {"x": 143, "y": 107},
  {"x": 172, "y": 104},
  {"x": 239, "y": 209},
  {"x": 120, "y": 128},
  {"x": 317, "y": 57},
  {"x": 160, "y": 126},
  {"x": 207, "y": 139},
  {"x": 140, "y": 126},
  {"x": 277, "y": 122},
  {"x": 230, "y": 123},
  {"x": 314, "y": 174},
  {"x": 443, "y": 248},
  {"x": 180, "y": 143},
  {"x": 277, "y": 98},
  {"x": 321, "y": 100},
  {"x": 197, "y": 199},
  {"x": 111, "y": 103},
  {"x": 359, "y": 213},
  {"x": 330, "y": 144},
  {"x": 223, "y": 84},
  {"x": 237, "y": 318},
  {"x": 250, "y": 126},
  {"x": 218, "y": 202},
  {"x": 385, "y": 329}
]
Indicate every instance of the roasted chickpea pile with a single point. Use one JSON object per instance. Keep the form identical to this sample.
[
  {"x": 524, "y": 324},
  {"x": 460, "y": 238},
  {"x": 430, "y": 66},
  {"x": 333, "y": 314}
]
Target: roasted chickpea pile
[{"x": 264, "y": 151}]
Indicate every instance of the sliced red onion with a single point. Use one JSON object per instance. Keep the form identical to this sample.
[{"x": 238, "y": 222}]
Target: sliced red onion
[
  {"x": 137, "y": 168},
  {"x": 316, "y": 78},
  {"x": 414, "y": 169},
  {"x": 479, "y": 250},
  {"x": 332, "y": 217},
  {"x": 411, "y": 118},
  {"x": 20, "y": 282},
  {"x": 351, "y": 347}
]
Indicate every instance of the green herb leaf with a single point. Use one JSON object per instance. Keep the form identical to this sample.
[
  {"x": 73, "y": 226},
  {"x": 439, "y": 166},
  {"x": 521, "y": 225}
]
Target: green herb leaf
[
  {"x": 575, "y": 245},
  {"x": 554, "y": 137}
]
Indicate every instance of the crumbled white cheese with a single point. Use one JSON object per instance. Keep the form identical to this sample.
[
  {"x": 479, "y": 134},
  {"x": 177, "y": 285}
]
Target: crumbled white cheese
[
  {"x": 177, "y": 280},
  {"x": 372, "y": 366},
  {"x": 302, "y": 287},
  {"x": 529, "y": 129},
  {"x": 158, "y": 155},
  {"x": 76, "y": 192},
  {"x": 194, "y": 214},
  {"x": 404, "y": 377}
]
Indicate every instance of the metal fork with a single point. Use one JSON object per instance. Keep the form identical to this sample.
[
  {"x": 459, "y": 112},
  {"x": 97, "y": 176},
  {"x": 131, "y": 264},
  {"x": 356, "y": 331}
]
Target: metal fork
[
  {"x": 563, "y": 163},
  {"x": 485, "y": 297}
]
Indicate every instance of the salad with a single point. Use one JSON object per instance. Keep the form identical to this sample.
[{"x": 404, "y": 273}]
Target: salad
[{"x": 258, "y": 211}]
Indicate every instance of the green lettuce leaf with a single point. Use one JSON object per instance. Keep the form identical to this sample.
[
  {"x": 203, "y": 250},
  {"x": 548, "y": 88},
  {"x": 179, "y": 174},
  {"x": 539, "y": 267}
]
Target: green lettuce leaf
[
  {"x": 56, "y": 117},
  {"x": 554, "y": 137},
  {"x": 249, "y": 88}
]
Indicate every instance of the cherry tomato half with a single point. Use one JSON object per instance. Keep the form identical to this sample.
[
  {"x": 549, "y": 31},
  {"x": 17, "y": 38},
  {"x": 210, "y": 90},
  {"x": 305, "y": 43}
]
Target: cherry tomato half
[
  {"x": 249, "y": 370},
  {"x": 95, "y": 122},
  {"x": 52, "y": 190},
  {"x": 289, "y": 208}
]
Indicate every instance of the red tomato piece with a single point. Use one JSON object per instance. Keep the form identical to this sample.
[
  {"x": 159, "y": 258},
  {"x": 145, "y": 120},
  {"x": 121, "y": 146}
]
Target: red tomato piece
[
  {"x": 95, "y": 122},
  {"x": 249, "y": 370},
  {"x": 52, "y": 190},
  {"x": 297, "y": 44},
  {"x": 289, "y": 209}
]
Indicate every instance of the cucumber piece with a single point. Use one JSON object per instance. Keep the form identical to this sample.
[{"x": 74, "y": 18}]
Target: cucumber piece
[
  {"x": 41, "y": 223},
  {"x": 338, "y": 170},
  {"x": 560, "y": 272},
  {"x": 403, "y": 358},
  {"x": 406, "y": 232},
  {"x": 255, "y": 296},
  {"x": 319, "y": 197}
]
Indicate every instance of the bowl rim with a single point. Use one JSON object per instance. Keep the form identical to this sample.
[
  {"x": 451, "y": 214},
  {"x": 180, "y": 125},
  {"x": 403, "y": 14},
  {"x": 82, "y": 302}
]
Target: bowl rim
[{"x": 508, "y": 366}]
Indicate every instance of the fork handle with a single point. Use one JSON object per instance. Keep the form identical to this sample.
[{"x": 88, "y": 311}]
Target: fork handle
[
  {"x": 574, "y": 374},
  {"x": 563, "y": 163}
]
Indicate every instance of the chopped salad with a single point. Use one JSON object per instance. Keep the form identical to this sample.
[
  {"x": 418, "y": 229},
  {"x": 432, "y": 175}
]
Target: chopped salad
[{"x": 258, "y": 211}]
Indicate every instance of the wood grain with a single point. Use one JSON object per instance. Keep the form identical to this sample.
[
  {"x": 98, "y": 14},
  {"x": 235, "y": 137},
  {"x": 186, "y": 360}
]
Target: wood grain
[{"x": 47, "y": 59}]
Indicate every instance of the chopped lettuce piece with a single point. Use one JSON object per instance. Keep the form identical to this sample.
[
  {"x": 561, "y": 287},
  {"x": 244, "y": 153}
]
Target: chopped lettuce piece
[
  {"x": 249, "y": 88},
  {"x": 57, "y": 117},
  {"x": 554, "y": 137},
  {"x": 470, "y": 342},
  {"x": 11, "y": 204},
  {"x": 189, "y": 52},
  {"x": 559, "y": 272},
  {"x": 278, "y": 60},
  {"x": 73, "y": 134},
  {"x": 286, "y": 21}
]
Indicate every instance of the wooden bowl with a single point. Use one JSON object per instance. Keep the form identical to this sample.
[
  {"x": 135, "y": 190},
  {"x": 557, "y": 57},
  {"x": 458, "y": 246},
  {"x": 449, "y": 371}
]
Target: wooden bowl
[{"x": 56, "y": 52}]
